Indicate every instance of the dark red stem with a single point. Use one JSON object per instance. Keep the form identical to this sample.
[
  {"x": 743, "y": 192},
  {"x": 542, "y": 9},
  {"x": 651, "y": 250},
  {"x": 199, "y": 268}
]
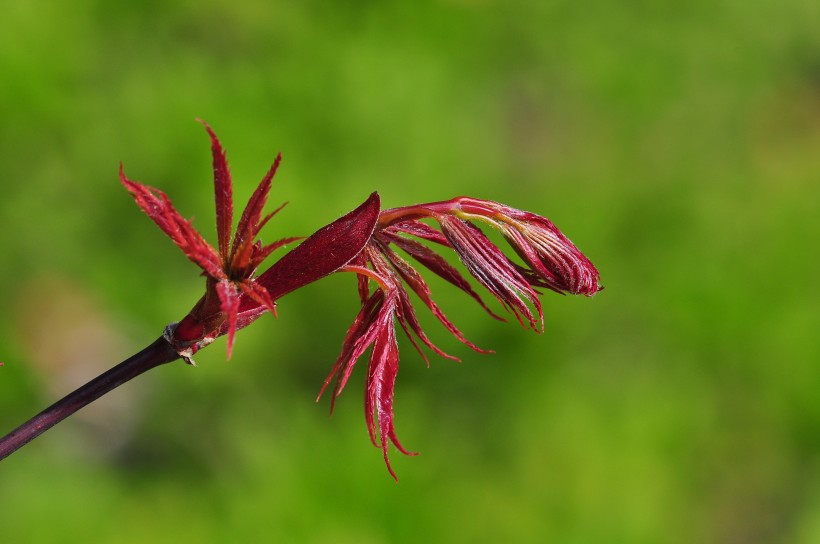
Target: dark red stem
[{"x": 158, "y": 353}]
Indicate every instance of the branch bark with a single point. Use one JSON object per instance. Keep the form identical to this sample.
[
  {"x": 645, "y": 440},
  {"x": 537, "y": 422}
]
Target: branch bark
[{"x": 158, "y": 353}]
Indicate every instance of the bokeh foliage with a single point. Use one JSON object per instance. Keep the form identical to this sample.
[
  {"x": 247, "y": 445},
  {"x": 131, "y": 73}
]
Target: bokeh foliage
[{"x": 677, "y": 143}]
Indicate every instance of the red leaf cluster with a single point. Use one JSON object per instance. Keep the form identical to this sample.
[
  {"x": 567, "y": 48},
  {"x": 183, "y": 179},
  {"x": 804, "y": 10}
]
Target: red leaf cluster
[
  {"x": 365, "y": 242},
  {"x": 234, "y": 297},
  {"x": 553, "y": 262}
]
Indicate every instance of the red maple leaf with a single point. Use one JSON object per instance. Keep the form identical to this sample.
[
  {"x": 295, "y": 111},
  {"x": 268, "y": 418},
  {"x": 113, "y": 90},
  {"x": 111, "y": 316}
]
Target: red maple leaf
[{"x": 234, "y": 296}]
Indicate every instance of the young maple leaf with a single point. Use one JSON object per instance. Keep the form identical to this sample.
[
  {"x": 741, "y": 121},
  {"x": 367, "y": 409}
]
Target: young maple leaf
[
  {"x": 229, "y": 270},
  {"x": 552, "y": 262},
  {"x": 234, "y": 295}
]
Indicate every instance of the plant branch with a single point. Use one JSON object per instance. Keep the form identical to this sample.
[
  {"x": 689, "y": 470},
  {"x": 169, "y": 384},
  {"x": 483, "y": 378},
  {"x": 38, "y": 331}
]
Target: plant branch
[{"x": 158, "y": 353}]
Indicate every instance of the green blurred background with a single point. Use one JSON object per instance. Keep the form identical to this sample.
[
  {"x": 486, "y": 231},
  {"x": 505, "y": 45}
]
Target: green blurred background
[{"x": 676, "y": 143}]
